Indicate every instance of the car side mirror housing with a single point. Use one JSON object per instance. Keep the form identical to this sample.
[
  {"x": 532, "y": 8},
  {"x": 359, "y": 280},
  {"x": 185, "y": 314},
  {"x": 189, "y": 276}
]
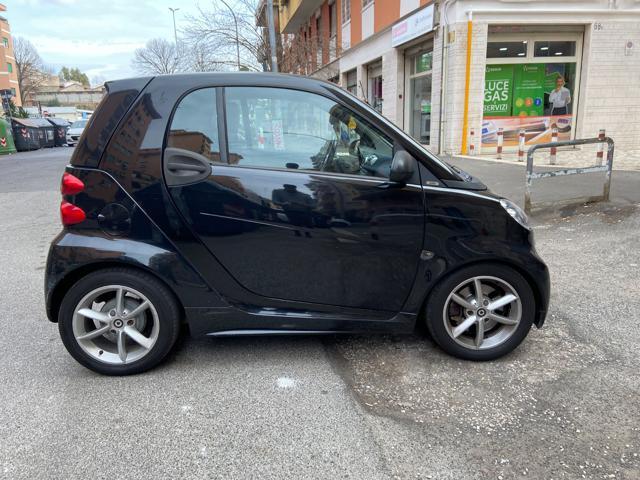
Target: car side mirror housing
[{"x": 402, "y": 167}]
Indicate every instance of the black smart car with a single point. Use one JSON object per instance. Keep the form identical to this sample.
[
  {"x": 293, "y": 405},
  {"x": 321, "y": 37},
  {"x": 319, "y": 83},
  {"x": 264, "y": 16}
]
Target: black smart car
[{"x": 250, "y": 204}]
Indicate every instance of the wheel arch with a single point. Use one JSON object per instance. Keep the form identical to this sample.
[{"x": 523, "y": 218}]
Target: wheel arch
[
  {"x": 535, "y": 287},
  {"x": 76, "y": 274}
]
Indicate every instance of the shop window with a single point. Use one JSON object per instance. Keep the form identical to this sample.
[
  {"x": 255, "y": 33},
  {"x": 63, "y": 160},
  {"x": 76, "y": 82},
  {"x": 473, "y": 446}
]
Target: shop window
[
  {"x": 374, "y": 73},
  {"x": 420, "y": 95},
  {"x": 507, "y": 49},
  {"x": 422, "y": 63},
  {"x": 352, "y": 82},
  {"x": 554, "y": 49}
]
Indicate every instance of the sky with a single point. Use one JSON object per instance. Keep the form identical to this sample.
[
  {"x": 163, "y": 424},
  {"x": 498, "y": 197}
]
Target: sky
[{"x": 96, "y": 36}]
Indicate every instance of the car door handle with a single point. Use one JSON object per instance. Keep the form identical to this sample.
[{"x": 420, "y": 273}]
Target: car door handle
[
  {"x": 177, "y": 165},
  {"x": 183, "y": 167}
]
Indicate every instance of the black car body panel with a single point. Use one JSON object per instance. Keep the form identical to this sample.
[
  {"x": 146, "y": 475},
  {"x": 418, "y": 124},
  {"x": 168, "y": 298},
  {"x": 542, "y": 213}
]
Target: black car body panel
[{"x": 256, "y": 249}]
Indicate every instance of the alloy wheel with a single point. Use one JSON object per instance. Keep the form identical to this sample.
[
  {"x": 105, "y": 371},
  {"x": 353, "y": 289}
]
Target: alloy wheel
[
  {"x": 482, "y": 312},
  {"x": 116, "y": 324}
]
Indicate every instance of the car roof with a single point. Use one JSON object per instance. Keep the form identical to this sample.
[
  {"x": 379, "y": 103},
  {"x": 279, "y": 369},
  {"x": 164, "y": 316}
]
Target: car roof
[{"x": 238, "y": 78}]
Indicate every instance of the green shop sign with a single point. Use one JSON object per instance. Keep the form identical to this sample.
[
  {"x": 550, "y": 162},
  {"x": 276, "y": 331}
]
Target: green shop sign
[{"x": 498, "y": 89}]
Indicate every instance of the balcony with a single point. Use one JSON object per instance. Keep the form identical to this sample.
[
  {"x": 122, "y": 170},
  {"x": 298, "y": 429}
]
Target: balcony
[{"x": 295, "y": 13}]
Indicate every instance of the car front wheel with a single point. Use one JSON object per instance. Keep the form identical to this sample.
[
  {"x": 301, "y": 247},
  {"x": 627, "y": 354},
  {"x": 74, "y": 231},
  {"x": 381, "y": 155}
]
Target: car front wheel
[
  {"x": 481, "y": 312},
  {"x": 118, "y": 321}
]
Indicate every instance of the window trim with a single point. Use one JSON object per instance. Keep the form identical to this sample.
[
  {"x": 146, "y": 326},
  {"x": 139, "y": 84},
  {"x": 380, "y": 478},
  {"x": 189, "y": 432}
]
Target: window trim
[
  {"x": 174, "y": 109},
  {"x": 385, "y": 131}
]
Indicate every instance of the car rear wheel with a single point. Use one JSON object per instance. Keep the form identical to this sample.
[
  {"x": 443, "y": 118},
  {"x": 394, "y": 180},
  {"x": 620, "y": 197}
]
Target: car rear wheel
[
  {"x": 118, "y": 321},
  {"x": 481, "y": 312}
]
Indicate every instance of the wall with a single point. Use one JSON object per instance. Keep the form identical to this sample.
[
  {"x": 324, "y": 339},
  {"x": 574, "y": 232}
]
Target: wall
[
  {"x": 611, "y": 83},
  {"x": 455, "y": 84}
]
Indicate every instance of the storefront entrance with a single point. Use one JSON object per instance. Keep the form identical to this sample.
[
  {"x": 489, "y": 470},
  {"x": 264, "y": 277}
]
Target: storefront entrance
[
  {"x": 531, "y": 83},
  {"x": 418, "y": 66},
  {"x": 374, "y": 76}
]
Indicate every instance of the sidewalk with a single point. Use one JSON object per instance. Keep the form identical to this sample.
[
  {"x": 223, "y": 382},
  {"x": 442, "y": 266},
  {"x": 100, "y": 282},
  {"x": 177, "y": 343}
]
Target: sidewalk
[
  {"x": 508, "y": 179},
  {"x": 569, "y": 158}
]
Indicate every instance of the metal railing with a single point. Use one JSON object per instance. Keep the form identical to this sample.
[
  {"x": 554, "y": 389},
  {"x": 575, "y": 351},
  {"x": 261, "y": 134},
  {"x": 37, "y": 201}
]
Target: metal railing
[{"x": 531, "y": 175}]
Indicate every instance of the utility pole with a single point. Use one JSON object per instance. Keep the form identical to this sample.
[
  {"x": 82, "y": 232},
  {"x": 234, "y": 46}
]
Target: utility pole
[
  {"x": 175, "y": 31},
  {"x": 272, "y": 36},
  {"x": 237, "y": 35}
]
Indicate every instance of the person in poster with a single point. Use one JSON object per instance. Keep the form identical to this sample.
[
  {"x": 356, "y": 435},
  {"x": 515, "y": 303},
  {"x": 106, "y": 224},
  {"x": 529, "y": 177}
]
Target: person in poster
[{"x": 560, "y": 98}]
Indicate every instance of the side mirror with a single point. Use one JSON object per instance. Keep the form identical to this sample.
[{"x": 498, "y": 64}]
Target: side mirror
[{"x": 402, "y": 167}]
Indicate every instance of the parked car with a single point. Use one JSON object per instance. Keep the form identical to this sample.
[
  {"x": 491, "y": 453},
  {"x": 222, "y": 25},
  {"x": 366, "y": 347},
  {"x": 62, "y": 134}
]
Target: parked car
[
  {"x": 74, "y": 132},
  {"x": 246, "y": 204}
]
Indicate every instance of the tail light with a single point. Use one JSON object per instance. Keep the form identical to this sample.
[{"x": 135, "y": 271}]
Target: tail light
[
  {"x": 71, "y": 214},
  {"x": 71, "y": 184}
]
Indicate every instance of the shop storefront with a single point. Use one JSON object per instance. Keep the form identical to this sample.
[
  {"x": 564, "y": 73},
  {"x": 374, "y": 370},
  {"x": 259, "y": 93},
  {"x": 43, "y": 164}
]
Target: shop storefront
[
  {"x": 531, "y": 83},
  {"x": 413, "y": 37}
]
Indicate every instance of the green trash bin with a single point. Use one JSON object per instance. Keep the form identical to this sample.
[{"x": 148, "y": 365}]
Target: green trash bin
[{"x": 6, "y": 138}]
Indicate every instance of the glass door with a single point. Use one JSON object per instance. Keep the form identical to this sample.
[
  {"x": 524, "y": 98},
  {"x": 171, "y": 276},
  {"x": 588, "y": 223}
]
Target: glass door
[{"x": 418, "y": 102}]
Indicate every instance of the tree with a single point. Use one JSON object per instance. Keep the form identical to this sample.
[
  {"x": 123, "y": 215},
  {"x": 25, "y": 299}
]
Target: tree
[
  {"x": 15, "y": 112},
  {"x": 74, "y": 75},
  {"x": 158, "y": 56},
  {"x": 214, "y": 30},
  {"x": 31, "y": 70},
  {"x": 198, "y": 57}
]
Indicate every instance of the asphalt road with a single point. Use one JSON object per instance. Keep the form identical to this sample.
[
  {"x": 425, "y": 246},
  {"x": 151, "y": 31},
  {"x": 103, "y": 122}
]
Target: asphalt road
[{"x": 564, "y": 405}]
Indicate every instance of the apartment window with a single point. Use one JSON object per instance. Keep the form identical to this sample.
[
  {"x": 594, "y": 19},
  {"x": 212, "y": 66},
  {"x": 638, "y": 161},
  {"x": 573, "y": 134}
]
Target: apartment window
[
  {"x": 5, "y": 41},
  {"x": 319, "y": 42},
  {"x": 366, "y": 3},
  {"x": 9, "y": 68},
  {"x": 346, "y": 11},
  {"x": 333, "y": 25}
]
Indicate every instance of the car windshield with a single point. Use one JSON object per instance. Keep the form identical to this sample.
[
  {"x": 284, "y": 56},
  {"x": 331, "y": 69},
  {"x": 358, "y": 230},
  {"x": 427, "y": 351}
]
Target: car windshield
[{"x": 79, "y": 124}]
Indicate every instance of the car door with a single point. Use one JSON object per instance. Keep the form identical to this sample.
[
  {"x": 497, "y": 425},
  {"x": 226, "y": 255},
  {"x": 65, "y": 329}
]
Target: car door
[{"x": 293, "y": 199}]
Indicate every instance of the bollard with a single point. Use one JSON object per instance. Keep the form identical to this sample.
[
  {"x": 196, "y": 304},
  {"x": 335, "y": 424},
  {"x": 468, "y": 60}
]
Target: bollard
[
  {"x": 600, "y": 152},
  {"x": 500, "y": 141},
  {"x": 472, "y": 147},
  {"x": 521, "y": 146},
  {"x": 554, "y": 139}
]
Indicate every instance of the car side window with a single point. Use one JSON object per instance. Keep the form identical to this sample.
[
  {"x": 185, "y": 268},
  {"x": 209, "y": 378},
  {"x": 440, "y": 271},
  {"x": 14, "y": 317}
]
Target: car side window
[
  {"x": 194, "y": 125},
  {"x": 281, "y": 128}
]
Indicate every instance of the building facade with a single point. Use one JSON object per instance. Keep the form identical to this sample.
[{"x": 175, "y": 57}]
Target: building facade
[
  {"x": 72, "y": 94},
  {"x": 528, "y": 65},
  {"x": 8, "y": 70}
]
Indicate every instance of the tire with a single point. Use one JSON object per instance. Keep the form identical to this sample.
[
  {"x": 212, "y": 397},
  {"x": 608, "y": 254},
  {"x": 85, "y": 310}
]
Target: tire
[
  {"x": 495, "y": 338},
  {"x": 155, "y": 329}
]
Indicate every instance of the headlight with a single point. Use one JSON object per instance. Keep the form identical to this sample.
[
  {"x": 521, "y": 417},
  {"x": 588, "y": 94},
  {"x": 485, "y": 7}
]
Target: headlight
[{"x": 516, "y": 212}]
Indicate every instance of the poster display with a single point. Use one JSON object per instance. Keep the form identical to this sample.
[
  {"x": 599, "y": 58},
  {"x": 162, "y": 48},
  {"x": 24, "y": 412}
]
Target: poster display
[
  {"x": 498, "y": 88},
  {"x": 531, "y": 96},
  {"x": 528, "y": 90}
]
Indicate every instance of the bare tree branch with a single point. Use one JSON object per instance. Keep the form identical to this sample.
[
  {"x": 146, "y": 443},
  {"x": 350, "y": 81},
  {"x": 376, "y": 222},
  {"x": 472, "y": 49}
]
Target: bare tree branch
[
  {"x": 214, "y": 29},
  {"x": 157, "y": 57},
  {"x": 32, "y": 72}
]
